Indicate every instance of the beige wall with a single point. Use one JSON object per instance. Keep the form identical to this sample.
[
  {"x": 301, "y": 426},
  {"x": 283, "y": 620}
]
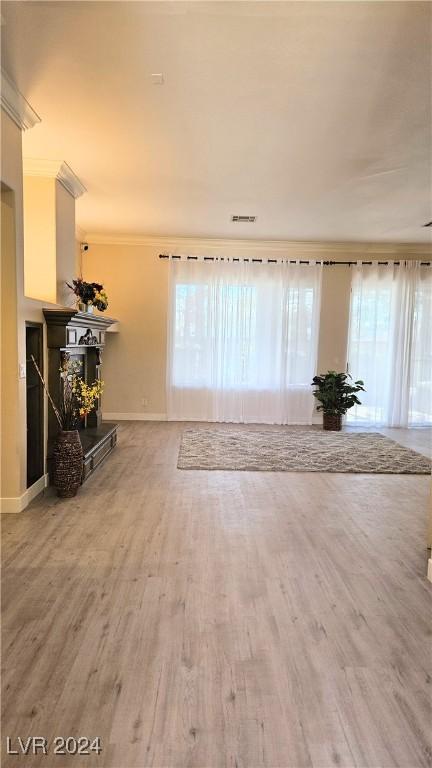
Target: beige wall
[
  {"x": 13, "y": 320},
  {"x": 9, "y": 424},
  {"x": 134, "y": 359},
  {"x": 335, "y": 304},
  {"x": 136, "y": 281},
  {"x": 66, "y": 261},
  {"x": 49, "y": 240},
  {"x": 137, "y": 284},
  {"x": 39, "y": 197},
  {"x": 13, "y": 435}
]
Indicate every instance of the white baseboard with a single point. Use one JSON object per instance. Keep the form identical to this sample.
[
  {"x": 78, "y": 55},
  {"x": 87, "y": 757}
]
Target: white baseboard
[
  {"x": 16, "y": 504},
  {"x": 143, "y": 416},
  {"x": 135, "y": 416}
]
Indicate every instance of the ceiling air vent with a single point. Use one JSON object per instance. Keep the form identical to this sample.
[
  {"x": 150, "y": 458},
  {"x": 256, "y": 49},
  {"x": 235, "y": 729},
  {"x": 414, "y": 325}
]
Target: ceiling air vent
[{"x": 244, "y": 219}]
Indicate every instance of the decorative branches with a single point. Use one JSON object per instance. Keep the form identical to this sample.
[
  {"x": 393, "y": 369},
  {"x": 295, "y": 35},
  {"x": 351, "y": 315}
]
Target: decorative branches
[{"x": 78, "y": 398}]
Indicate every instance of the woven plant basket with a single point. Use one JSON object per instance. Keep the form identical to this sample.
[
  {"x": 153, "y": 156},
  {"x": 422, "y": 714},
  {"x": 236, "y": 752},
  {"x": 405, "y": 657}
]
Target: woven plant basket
[
  {"x": 68, "y": 463},
  {"x": 333, "y": 423}
]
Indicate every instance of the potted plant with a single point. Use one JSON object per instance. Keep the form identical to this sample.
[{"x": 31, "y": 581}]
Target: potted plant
[
  {"x": 336, "y": 395},
  {"x": 77, "y": 400},
  {"x": 89, "y": 295}
]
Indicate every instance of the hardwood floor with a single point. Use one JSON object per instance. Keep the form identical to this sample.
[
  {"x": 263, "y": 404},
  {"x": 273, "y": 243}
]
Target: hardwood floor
[{"x": 205, "y": 619}]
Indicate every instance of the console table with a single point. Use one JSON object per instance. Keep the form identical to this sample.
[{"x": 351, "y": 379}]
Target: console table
[{"x": 80, "y": 336}]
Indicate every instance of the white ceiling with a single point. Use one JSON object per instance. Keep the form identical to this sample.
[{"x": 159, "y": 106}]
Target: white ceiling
[{"x": 313, "y": 116}]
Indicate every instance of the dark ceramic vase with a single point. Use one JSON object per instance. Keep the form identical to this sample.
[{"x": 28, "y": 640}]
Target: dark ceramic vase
[{"x": 68, "y": 463}]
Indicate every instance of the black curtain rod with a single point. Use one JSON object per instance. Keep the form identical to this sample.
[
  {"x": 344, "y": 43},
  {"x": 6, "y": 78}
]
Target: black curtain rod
[{"x": 275, "y": 261}]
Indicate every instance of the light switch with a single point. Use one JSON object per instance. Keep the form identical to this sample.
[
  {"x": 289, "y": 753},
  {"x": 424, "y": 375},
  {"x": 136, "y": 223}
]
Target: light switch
[{"x": 22, "y": 371}]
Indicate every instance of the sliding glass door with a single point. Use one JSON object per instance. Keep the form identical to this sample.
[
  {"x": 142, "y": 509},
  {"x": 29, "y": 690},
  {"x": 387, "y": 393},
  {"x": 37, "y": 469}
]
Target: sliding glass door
[
  {"x": 421, "y": 363},
  {"x": 243, "y": 341},
  {"x": 390, "y": 343}
]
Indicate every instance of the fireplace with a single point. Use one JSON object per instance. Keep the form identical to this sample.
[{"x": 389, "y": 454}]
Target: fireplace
[{"x": 80, "y": 336}]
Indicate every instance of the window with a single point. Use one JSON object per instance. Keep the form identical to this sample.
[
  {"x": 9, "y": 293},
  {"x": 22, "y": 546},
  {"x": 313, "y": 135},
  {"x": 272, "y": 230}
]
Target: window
[
  {"x": 390, "y": 344},
  {"x": 243, "y": 341},
  {"x": 421, "y": 363},
  {"x": 195, "y": 334}
]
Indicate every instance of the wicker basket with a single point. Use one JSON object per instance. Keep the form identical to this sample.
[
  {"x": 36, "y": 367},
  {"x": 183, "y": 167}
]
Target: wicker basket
[
  {"x": 68, "y": 463},
  {"x": 331, "y": 422}
]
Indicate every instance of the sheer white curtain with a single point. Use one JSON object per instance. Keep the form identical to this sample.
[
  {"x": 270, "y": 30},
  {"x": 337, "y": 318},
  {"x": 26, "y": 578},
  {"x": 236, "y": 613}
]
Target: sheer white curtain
[
  {"x": 242, "y": 341},
  {"x": 390, "y": 343}
]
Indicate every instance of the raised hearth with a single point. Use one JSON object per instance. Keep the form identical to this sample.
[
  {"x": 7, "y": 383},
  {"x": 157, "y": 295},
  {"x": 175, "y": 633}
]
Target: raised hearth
[{"x": 97, "y": 443}]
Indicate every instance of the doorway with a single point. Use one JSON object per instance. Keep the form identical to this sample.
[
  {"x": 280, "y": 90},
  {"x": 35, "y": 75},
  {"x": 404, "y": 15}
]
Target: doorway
[{"x": 35, "y": 414}]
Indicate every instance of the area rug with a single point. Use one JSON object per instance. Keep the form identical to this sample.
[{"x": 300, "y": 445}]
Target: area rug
[{"x": 297, "y": 450}]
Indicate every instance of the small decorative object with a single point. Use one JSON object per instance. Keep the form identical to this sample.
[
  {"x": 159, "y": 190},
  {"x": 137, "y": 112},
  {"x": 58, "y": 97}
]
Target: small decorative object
[
  {"x": 336, "y": 396},
  {"x": 89, "y": 295},
  {"x": 89, "y": 308},
  {"x": 88, "y": 338},
  {"x": 78, "y": 400}
]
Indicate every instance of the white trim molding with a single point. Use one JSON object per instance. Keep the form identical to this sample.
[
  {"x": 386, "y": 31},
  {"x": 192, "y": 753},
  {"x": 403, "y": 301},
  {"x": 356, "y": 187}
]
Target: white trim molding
[
  {"x": 55, "y": 169},
  {"x": 15, "y": 105},
  {"x": 135, "y": 416},
  {"x": 16, "y": 504},
  {"x": 70, "y": 181},
  {"x": 429, "y": 571},
  {"x": 336, "y": 249}
]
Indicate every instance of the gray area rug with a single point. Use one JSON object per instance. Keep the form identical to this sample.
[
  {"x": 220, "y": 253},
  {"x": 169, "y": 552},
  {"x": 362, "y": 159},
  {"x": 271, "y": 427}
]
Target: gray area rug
[{"x": 297, "y": 450}]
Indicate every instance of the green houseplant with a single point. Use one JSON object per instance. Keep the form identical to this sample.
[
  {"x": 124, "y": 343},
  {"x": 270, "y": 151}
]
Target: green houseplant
[{"x": 336, "y": 396}]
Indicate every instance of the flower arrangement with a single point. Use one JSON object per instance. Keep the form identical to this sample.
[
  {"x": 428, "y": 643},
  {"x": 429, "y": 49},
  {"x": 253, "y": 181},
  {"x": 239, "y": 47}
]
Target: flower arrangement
[
  {"x": 86, "y": 394},
  {"x": 78, "y": 398},
  {"x": 92, "y": 294}
]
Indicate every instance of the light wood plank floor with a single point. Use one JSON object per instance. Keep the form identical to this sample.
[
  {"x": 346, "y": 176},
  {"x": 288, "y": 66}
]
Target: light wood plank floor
[{"x": 205, "y": 619}]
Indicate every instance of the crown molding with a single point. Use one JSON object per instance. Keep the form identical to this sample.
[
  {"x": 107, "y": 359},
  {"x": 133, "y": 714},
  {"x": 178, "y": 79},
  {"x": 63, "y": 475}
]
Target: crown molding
[
  {"x": 15, "y": 105},
  {"x": 70, "y": 181},
  {"x": 183, "y": 245},
  {"x": 55, "y": 169}
]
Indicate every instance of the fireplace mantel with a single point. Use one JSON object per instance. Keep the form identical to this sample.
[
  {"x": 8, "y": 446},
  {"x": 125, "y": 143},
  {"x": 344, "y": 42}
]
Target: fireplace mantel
[
  {"x": 80, "y": 336},
  {"x": 63, "y": 325}
]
